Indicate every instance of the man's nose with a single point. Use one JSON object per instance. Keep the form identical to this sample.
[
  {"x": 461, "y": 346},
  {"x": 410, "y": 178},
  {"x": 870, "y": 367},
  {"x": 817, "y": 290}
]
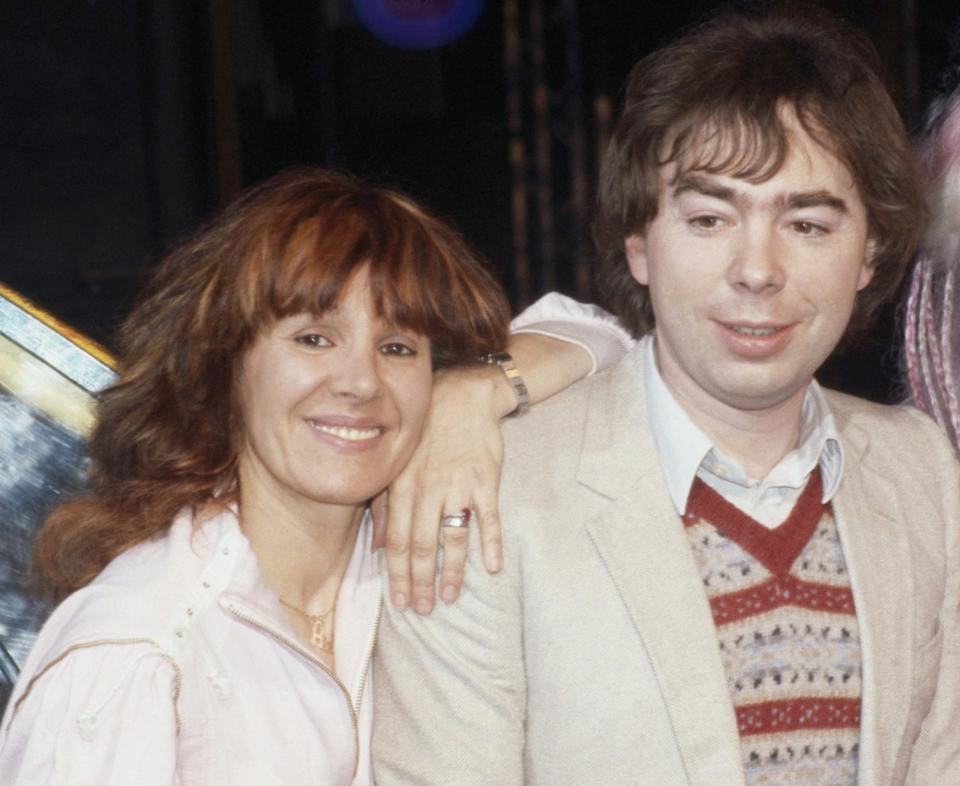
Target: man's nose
[{"x": 757, "y": 263}]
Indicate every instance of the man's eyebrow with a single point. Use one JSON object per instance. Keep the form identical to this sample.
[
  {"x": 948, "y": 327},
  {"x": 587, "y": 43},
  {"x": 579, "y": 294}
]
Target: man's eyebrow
[
  {"x": 815, "y": 199},
  {"x": 702, "y": 185},
  {"x": 794, "y": 201}
]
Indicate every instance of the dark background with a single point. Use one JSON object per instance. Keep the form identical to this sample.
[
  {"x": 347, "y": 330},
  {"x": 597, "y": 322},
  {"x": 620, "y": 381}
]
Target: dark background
[{"x": 125, "y": 122}]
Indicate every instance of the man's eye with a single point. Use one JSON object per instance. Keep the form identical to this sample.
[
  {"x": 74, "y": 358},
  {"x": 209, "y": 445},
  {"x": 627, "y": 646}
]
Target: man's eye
[
  {"x": 808, "y": 228},
  {"x": 397, "y": 348},
  {"x": 313, "y": 340},
  {"x": 706, "y": 222}
]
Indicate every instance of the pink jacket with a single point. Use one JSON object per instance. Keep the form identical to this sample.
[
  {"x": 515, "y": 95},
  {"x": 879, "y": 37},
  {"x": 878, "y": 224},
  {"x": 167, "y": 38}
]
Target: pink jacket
[{"x": 176, "y": 665}]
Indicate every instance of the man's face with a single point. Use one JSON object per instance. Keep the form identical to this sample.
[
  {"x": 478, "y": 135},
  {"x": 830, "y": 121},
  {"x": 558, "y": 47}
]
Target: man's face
[{"x": 753, "y": 284}]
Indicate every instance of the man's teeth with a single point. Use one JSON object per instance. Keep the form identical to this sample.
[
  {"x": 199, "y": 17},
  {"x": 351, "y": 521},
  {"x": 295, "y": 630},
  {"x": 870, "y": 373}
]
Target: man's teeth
[
  {"x": 345, "y": 432},
  {"x": 753, "y": 331}
]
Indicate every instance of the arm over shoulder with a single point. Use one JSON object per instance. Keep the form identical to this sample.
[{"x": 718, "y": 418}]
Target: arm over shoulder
[
  {"x": 450, "y": 692},
  {"x": 591, "y": 328},
  {"x": 100, "y": 714}
]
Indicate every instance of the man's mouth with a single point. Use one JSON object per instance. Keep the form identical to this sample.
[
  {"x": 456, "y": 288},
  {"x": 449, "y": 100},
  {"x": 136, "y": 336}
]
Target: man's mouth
[{"x": 744, "y": 330}]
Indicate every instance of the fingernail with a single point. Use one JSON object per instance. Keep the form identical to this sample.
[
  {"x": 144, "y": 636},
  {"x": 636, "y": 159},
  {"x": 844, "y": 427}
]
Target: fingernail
[
  {"x": 449, "y": 594},
  {"x": 424, "y": 606},
  {"x": 399, "y": 600}
]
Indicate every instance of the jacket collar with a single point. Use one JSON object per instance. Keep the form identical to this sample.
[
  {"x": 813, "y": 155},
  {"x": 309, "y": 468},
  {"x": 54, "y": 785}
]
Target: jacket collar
[{"x": 357, "y": 613}]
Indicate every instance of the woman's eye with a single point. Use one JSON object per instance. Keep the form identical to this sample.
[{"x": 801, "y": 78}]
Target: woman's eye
[
  {"x": 313, "y": 340},
  {"x": 397, "y": 348}
]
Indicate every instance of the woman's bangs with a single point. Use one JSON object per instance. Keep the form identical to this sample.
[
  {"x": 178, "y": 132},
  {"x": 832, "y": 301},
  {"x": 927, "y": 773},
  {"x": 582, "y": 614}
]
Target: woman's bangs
[
  {"x": 308, "y": 270},
  {"x": 405, "y": 274},
  {"x": 421, "y": 276}
]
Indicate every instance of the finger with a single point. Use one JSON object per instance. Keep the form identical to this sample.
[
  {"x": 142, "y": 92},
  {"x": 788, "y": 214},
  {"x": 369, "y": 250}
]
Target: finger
[
  {"x": 378, "y": 509},
  {"x": 398, "y": 549},
  {"x": 491, "y": 536},
  {"x": 455, "y": 541},
  {"x": 423, "y": 552}
]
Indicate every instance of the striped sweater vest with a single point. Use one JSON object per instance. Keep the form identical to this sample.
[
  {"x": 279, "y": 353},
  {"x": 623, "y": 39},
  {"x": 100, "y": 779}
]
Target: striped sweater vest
[{"x": 788, "y": 636}]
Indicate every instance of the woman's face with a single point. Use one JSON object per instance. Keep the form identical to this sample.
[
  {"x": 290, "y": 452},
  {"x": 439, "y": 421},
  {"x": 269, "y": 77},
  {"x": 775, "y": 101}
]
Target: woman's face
[{"x": 332, "y": 405}]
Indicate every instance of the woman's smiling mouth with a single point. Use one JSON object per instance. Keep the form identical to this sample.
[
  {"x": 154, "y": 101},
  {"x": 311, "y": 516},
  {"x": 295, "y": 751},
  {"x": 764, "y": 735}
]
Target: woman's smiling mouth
[{"x": 349, "y": 433}]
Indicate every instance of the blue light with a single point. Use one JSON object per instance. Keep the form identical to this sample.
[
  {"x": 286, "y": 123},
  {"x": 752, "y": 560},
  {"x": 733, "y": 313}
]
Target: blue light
[{"x": 418, "y": 24}]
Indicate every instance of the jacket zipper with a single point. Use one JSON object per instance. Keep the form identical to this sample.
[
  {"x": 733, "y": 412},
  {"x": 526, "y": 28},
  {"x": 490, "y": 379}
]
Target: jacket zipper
[
  {"x": 296, "y": 647},
  {"x": 369, "y": 654}
]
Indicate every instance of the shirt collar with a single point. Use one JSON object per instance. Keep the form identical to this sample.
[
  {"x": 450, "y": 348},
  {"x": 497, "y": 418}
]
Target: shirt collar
[{"x": 685, "y": 450}]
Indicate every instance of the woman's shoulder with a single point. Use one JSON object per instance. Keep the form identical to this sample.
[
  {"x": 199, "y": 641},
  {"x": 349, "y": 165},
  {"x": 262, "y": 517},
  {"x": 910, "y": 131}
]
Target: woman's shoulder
[
  {"x": 134, "y": 590},
  {"x": 147, "y": 597}
]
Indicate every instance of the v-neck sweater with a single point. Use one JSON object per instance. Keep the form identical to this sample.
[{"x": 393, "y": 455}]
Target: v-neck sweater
[{"x": 788, "y": 636}]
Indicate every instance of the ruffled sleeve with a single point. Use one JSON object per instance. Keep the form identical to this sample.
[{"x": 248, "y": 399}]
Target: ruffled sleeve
[
  {"x": 588, "y": 326},
  {"x": 102, "y": 714}
]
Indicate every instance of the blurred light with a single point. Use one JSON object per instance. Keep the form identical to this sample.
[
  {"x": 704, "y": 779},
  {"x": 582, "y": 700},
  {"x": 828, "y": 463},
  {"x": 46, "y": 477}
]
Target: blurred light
[{"x": 418, "y": 24}]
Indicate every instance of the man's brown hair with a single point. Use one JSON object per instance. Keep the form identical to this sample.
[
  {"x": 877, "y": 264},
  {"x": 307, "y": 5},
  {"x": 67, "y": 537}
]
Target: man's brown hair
[{"x": 713, "y": 100}]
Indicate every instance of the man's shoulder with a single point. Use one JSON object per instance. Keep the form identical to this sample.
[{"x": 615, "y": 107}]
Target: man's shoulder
[
  {"x": 853, "y": 411},
  {"x": 900, "y": 435},
  {"x": 609, "y": 397},
  {"x": 543, "y": 447},
  {"x": 562, "y": 456}
]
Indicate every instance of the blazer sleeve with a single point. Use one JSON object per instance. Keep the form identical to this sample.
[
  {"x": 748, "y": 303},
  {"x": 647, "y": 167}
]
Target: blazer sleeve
[
  {"x": 935, "y": 757},
  {"x": 102, "y": 714},
  {"x": 449, "y": 693}
]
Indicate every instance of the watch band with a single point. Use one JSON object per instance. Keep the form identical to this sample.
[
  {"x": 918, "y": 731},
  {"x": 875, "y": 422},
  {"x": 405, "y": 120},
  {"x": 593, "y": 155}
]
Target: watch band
[{"x": 505, "y": 361}]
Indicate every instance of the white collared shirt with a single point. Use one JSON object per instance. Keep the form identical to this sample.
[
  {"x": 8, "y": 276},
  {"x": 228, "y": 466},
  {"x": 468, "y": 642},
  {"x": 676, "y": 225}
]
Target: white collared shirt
[{"x": 686, "y": 452}]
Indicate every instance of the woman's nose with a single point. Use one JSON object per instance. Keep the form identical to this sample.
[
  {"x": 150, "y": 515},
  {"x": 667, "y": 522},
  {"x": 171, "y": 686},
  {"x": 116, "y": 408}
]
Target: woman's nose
[{"x": 359, "y": 375}]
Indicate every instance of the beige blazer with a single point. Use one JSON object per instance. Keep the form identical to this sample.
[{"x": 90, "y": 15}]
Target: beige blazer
[{"x": 592, "y": 658}]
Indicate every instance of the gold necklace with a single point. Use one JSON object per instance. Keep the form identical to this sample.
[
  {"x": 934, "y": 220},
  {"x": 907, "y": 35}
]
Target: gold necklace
[{"x": 318, "y": 636}]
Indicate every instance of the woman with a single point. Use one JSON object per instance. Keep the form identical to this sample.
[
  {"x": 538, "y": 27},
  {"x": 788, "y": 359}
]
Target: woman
[{"x": 274, "y": 378}]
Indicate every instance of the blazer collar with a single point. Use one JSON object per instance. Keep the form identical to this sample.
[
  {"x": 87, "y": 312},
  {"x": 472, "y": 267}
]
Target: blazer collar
[{"x": 642, "y": 543}]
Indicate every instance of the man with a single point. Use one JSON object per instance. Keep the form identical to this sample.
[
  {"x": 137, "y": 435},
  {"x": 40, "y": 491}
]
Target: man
[{"x": 716, "y": 572}]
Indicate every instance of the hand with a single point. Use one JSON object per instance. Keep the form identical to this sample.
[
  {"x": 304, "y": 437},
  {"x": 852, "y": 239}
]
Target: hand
[{"x": 455, "y": 466}]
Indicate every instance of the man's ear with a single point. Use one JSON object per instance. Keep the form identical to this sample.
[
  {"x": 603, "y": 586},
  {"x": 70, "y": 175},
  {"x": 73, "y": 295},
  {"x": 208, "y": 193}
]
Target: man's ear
[
  {"x": 869, "y": 264},
  {"x": 635, "y": 248}
]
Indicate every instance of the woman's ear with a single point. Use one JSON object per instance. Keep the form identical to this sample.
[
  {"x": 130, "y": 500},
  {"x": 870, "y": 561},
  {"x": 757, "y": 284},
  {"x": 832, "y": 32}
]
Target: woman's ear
[{"x": 635, "y": 248}]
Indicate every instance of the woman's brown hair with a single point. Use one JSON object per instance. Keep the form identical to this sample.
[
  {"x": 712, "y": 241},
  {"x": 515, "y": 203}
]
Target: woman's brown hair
[{"x": 166, "y": 431}]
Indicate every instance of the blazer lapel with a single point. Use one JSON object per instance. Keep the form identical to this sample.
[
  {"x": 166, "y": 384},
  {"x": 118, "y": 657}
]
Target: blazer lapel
[
  {"x": 645, "y": 550},
  {"x": 866, "y": 510}
]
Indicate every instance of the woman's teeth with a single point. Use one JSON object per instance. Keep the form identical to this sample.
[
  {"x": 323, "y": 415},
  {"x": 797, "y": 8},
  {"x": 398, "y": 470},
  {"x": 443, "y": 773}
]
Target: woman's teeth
[{"x": 345, "y": 432}]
